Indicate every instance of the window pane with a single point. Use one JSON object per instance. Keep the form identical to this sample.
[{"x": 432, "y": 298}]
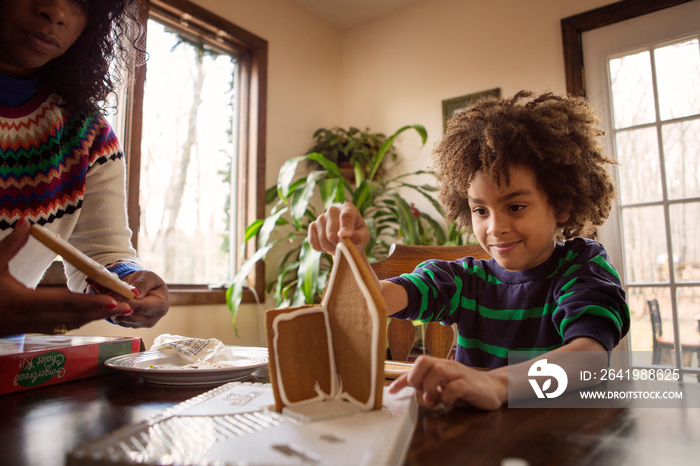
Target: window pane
[
  {"x": 678, "y": 79},
  {"x": 187, "y": 148},
  {"x": 681, "y": 145},
  {"x": 638, "y": 158},
  {"x": 632, "y": 90},
  {"x": 689, "y": 324},
  {"x": 685, "y": 231},
  {"x": 643, "y": 334},
  {"x": 645, "y": 245}
]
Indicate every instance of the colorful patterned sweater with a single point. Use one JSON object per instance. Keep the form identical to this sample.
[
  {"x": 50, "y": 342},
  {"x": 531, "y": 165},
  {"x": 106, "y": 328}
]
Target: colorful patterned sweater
[
  {"x": 65, "y": 171},
  {"x": 575, "y": 293}
]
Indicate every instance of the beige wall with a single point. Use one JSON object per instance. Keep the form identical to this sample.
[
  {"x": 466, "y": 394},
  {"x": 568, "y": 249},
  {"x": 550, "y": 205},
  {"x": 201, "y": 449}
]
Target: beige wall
[
  {"x": 398, "y": 70},
  {"x": 192, "y": 321},
  {"x": 383, "y": 75}
]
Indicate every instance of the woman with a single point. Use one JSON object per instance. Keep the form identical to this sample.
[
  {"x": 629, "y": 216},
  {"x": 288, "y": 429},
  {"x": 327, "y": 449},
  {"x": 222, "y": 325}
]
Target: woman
[{"x": 61, "y": 165}]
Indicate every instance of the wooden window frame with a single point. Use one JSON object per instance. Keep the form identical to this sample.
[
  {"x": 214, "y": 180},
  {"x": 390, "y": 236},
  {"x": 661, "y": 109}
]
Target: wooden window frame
[
  {"x": 252, "y": 57},
  {"x": 573, "y": 26}
]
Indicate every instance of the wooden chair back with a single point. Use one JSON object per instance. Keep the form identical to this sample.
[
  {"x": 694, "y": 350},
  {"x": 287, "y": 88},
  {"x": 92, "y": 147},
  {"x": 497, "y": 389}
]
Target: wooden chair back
[
  {"x": 658, "y": 342},
  {"x": 439, "y": 339},
  {"x": 664, "y": 345},
  {"x": 655, "y": 316}
]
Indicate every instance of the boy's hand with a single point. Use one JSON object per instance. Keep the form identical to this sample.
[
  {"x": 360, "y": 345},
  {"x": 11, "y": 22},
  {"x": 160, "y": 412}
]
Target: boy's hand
[
  {"x": 338, "y": 222},
  {"x": 447, "y": 382},
  {"x": 450, "y": 383}
]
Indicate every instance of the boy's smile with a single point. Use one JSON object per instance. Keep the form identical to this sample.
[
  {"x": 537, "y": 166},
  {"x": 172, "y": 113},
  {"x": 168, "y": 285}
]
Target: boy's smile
[
  {"x": 514, "y": 223},
  {"x": 34, "y": 32}
]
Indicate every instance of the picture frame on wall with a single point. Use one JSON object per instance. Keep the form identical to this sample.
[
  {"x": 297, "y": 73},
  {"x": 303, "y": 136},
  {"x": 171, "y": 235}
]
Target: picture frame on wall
[{"x": 450, "y": 107}]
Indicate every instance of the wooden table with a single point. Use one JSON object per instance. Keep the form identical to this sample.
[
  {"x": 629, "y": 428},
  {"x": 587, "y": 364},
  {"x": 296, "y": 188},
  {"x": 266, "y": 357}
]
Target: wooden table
[{"x": 40, "y": 426}]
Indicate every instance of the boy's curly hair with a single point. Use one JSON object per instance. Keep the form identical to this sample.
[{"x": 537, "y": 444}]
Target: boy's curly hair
[
  {"x": 82, "y": 75},
  {"x": 558, "y": 138}
]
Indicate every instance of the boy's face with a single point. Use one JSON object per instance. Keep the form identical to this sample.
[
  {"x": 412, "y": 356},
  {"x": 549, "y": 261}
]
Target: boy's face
[
  {"x": 34, "y": 32},
  {"x": 514, "y": 223}
]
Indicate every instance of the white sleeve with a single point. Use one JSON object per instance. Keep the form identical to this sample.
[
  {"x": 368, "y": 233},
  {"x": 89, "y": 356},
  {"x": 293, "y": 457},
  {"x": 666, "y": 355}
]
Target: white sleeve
[{"x": 102, "y": 231}]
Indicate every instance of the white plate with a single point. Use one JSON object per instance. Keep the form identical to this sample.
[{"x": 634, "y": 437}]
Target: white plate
[{"x": 249, "y": 358}]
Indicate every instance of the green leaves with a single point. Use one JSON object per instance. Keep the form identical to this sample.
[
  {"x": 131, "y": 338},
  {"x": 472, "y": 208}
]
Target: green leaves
[
  {"x": 286, "y": 176},
  {"x": 309, "y": 268},
  {"x": 332, "y": 191},
  {"x": 267, "y": 226},
  {"x": 302, "y": 273},
  {"x": 390, "y": 142},
  {"x": 234, "y": 294}
]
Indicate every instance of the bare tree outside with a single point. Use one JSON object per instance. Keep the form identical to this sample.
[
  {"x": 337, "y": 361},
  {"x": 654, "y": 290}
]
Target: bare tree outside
[{"x": 186, "y": 146}]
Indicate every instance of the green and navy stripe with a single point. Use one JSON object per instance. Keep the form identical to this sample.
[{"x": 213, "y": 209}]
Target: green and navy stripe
[{"x": 575, "y": 293}]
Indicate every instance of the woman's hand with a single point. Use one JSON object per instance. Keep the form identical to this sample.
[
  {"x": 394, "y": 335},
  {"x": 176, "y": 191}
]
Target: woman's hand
[
  {"x": 23, "y": 310},
  {"x": 442, "y": 381},
  {"x": 150, "y": 304},
  {"x": 335, "y": 224}
]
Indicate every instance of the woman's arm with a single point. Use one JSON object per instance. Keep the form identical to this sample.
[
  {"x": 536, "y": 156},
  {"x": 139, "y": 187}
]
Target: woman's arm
[
  {"x": 24, "y": 310},
  {"x": 103, "y": 234}
]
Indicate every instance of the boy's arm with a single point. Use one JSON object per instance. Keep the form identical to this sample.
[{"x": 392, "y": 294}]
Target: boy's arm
[
  {"x": 593, "y": 358},
  {"x": 590, "y": 298},
  {"x": 395, "y": 297},
  {"x": 102, "y": 231},
  {"x": 447, "y": 382}
]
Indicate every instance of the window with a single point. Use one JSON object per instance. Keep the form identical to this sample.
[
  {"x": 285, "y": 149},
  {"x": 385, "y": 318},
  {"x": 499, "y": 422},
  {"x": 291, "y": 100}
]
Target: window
[
  {"x": 195, "y": 145},
  {"x": 655, "y": 97},
  {"x": 645, "y": 73}
]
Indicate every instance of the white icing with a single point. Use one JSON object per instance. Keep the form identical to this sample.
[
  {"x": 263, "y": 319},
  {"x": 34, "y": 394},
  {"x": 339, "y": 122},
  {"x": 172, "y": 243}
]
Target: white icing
[
  {"x": 320, "y": 395},
  {"x": 372, "y": 308},
  {"x": 336, "y": 384}
]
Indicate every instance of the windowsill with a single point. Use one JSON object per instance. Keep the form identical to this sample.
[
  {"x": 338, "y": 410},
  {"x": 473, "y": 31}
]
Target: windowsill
[
  {"x": 180, "y": 295},
  {"x": 184, "y": 295},
  {"x": 194, "y": 295}
]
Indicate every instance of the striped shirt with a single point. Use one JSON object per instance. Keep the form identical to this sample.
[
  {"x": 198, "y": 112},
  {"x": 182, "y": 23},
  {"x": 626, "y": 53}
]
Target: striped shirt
[{"x": 575, "y": 293}]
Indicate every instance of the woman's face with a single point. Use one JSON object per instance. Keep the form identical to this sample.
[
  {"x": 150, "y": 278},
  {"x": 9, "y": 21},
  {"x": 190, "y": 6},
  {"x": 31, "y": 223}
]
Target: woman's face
[{"x": 34, "y": 32}]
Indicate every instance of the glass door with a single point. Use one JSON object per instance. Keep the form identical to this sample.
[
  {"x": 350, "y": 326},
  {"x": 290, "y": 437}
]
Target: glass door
[{"x": 648, "y": 82}]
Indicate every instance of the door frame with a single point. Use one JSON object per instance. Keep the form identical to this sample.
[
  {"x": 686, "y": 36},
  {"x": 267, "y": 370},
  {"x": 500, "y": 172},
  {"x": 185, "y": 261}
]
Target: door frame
[{"x": 573, "y": 26}]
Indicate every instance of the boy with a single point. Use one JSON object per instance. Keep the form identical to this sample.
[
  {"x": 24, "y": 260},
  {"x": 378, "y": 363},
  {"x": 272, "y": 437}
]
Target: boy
[{"x": 521, "y": 173}]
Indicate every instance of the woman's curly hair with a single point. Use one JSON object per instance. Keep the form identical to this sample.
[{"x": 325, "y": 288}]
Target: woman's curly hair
[
  {"x": 82, "y": 75},
  {"x": 557, "y": 138}
]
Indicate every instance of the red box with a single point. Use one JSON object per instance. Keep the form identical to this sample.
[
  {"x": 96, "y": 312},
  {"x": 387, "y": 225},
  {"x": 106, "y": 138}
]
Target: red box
[{"x": 40, "y": 360}]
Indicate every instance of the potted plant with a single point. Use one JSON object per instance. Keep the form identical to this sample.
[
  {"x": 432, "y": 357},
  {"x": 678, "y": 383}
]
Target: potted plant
[
  {"x": 350, "y": 148},
  {"x": 303, "y": 272}
]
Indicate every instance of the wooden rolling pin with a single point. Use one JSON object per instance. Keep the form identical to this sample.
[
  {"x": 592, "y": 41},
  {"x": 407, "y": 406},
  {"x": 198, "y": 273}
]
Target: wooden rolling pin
[{"x": 82, "y": 262}]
